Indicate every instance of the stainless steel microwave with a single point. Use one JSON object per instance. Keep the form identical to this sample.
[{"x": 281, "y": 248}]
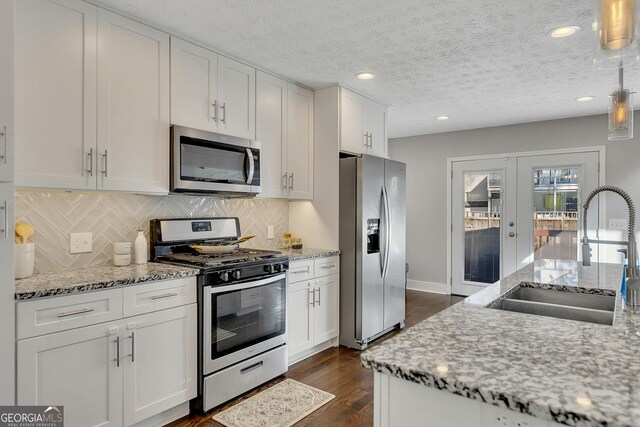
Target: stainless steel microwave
[{"x": 207, "y": 162}]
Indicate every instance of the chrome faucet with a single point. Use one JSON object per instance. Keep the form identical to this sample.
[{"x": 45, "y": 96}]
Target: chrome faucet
[{"x": 633, "y": 279}]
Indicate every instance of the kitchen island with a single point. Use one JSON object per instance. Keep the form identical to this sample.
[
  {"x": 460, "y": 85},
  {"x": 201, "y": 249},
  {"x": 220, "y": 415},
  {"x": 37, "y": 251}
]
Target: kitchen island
[{"x": 476, "y": 366}]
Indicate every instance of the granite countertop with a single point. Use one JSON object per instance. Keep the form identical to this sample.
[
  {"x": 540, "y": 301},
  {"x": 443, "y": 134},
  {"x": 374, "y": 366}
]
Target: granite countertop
[
  {"x": 95, "y": 278},
  {"x": 308, "y": 253},
  {"x": 574, "y": 373}
]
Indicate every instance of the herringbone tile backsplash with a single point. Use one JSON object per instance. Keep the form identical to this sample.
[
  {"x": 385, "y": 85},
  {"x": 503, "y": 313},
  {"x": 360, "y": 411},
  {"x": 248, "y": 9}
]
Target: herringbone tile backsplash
[{"x": 117, "y": 217}]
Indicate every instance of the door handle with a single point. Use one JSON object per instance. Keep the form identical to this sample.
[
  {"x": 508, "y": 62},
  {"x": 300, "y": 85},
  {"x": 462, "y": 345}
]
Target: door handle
[
  {"x": 223, "y": 107},
  {"x": 172, "y": 294},
  {"x": 291, "y": 181},
  {"x": 318, "y": 297},
  {"x": 3, "y": 134},
  {"x": 252, "y": 166},
  {"x": 105, "y": 156},
  {"x": 5, "y": 223},
  {"x": 284, "y": 181},
  {"x": 117, "y": 352},
  {"x": 215, "y": 111},
  {"x": 313, "y": 298},
  {"x": 366, "y": 139},
  {"x": 133, "y": 346},
  {"x": 251, "y": 368},
  {"x": 387, "y": 230},
  {"x": 370, "y": 140},
  {"x": 75, "y": 313},
  {"x": 90, "y": 155}
]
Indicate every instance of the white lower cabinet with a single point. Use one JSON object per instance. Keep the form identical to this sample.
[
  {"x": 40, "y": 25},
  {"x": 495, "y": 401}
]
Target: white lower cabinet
[
  {"x": 313, "y": 308},
  {"x": 117, "y": 373}
]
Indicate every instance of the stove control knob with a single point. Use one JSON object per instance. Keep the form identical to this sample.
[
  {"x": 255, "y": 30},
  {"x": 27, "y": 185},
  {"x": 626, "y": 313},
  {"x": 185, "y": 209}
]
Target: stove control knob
[
  {"x": 236, "y": 274},
  {"x": 278, "y": 267},
  {"x": 224, "y": 276},
  {"x": 270, "y": 268}
]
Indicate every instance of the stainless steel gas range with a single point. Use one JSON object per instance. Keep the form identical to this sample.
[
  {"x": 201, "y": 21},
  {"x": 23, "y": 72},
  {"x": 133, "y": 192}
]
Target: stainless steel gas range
[{"x": 241, "y": 306}]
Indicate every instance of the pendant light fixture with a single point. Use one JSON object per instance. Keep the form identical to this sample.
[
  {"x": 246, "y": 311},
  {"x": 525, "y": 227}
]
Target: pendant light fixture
[
  {"x": 621, "y": 111},
  {"x": 616, "y": 33}
]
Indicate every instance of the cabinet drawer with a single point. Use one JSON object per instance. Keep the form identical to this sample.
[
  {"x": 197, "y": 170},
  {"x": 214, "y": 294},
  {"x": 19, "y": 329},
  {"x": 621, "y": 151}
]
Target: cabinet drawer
[
  {"x": 156, "y": 296},
  {"x": 327, "y": 266},
  {"x": 301, "y": 270},
  {"x": 65, "y": 312}
]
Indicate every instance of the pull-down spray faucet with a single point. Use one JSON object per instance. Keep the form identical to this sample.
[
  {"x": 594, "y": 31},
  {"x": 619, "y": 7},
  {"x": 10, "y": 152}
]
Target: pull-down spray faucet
[{"x": 633, "y": 279}]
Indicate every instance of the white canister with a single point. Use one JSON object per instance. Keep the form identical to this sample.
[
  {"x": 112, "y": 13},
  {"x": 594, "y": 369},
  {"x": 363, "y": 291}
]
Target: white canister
[
  {"x": 24, "y": 258},
  {"x": 122, "y": 248},
  {"x": 122, "y": 260}
]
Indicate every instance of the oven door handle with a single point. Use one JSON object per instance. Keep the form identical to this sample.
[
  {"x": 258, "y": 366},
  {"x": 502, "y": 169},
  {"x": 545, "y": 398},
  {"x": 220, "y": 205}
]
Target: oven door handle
[
  {"x": 252, "y": 166},
  {"x": 246, "y": 285}
]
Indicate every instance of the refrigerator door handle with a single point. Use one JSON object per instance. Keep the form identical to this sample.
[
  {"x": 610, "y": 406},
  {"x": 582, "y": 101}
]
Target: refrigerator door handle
[{"x": 387, "y": 231}]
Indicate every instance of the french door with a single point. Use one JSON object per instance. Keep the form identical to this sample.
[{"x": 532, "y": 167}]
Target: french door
[{"x": 508, "y": 212}]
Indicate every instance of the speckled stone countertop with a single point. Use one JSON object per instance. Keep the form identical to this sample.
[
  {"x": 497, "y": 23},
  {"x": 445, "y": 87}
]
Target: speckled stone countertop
[
  {"x": 573, "y": 373},
  {"x": 94, "y": 278},
  {"x": 306, "y": 253}
]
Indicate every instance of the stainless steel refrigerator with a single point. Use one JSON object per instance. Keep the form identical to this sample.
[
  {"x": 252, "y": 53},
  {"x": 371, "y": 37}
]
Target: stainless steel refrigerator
[{"x": 373, "y": 246}]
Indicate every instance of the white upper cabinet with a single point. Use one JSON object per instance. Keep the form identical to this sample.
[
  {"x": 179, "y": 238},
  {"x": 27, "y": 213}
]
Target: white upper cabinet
[
  {"x": 194, "y": 86},
  {"x": 237, "y": 98},
  {"x": 7, "y": 127},
  {"x": 363, "y": 125},
  {"x": 92, "y": 99},
  {"x": 133, "y": 105},
  {"x": 300, "y": 143},
  {"x": 271, "y": 132},
  {"x": 211, "y": 92},
  {"x": 284, "y": 127},
  {"x": 55, "y": 91}
]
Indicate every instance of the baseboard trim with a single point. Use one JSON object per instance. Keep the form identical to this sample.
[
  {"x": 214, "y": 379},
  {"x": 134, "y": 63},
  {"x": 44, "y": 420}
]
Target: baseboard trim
[{"x": 436, "y": 288}]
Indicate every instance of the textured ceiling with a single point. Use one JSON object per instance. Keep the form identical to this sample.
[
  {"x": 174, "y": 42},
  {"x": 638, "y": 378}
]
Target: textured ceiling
[{"x": 481, "y": 62}]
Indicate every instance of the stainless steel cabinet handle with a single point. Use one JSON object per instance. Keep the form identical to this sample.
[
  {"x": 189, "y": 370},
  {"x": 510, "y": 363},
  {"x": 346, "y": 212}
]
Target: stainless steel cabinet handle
[
  {"x": 5, "y": 223},
  {"x": 313, "y": 298},
  {"x": 90, "y": 155},
  {"x": 284, "y": 181},
  {"x": 366, "y": 139},
  {"x": 290, "y": 181},
  {"x": 133, "y": 346},
  {"x": 318, "y": 297},
  {"x": 3, "y": 134},
  {"x": 105, "y": 156},
  {"x": 327, "y": 267},
  {"x": 224, "y": 113},
  {"x": 299, "y": 271},
  {"x": 172, "y": 294},
  {"x": 215, "y": 111},
  {"x": 117, "y": 352},
  {"x": 75, "y": 313},
  {"x": 370, "y": 140}
]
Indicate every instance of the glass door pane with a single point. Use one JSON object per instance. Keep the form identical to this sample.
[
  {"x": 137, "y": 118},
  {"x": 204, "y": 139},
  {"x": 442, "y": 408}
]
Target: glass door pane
[
  {"x": 555, "y": 213},
  {"x": 482, "y": 212}
]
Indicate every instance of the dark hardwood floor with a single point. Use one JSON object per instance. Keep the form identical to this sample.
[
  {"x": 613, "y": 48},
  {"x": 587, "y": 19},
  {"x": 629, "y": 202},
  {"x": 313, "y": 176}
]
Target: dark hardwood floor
[{"x": 338, "y": 371}]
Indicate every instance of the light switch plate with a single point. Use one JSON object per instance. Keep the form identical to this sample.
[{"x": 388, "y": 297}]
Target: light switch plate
[
  {"x": 81, "y": 243},
  {"x": 269, "y": 231},
  {"x": 618, "y": 224}
]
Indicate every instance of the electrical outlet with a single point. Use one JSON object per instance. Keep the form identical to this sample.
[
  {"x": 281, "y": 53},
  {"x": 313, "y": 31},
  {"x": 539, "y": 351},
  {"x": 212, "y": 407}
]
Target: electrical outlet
[
  {"x": 269, "y": 231},
  {"x": 618, "y": 224},
  {"x": 503, "y": 421},
  {"x": 81, "y": 243}
]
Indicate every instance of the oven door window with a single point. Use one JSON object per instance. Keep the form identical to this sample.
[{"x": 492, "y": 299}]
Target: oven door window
[
  {"x": 213, "y": 162},
  {"x": 246, "y": 317}
]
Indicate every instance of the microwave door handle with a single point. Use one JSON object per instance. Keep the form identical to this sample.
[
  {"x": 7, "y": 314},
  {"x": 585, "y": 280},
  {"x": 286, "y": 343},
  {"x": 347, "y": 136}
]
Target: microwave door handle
[{"x": 251, "y": 166}]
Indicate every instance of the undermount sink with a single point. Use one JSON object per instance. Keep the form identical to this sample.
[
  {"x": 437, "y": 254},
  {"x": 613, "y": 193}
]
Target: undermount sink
[{"x": 583, "y": 307}]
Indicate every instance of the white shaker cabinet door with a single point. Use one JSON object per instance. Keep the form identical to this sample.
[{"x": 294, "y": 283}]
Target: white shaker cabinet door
[
  {"x": 300, "y": 143},
  {"x": 194, "y": 86},
  {"x": 300, "y": 317},
  {"x": 352, "y": 131},
  {"x": 133, "y": 106},
  {"x": 55, "y": 94},
  {"x": 271, "y": 132},
  {"x": 236, "y": 98},
  {"x": 7, "y": 304},
  {"x": 7, "y": 127},
  {"x": 326, "y": 316},
  {"x": 77, "y": 369},
  {"x": 375, "y": 119},
  {"x": 160, "y": 362}
]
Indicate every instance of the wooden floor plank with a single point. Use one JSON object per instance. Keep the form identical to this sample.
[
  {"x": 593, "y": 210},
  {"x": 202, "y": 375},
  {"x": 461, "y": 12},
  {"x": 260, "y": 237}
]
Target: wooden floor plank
[{"x": 338, "y": 371}]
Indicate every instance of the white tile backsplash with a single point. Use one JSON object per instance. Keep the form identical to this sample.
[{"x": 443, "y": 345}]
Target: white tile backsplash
[{"x": 113, "y": 217}]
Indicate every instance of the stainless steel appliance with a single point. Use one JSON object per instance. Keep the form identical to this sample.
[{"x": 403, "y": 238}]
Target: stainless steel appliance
[
  {"x": 373, "y": 246},
  {"x": 207, "y": 162},
  {"x": 242, "y": 304}
]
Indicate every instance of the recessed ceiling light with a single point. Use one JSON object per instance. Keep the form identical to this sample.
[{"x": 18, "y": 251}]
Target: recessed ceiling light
[
  {"x": 564, "y": 31},
  {"x": 442, "y": 118},
  {"x": 365, "y": 75},
  {"x": 585, "y": 98}
]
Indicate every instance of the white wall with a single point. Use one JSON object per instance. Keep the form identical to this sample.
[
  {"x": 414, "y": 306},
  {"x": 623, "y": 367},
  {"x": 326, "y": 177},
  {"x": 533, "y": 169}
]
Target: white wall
[{"x": 426, "y": 158}]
